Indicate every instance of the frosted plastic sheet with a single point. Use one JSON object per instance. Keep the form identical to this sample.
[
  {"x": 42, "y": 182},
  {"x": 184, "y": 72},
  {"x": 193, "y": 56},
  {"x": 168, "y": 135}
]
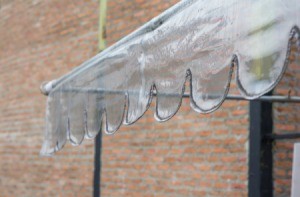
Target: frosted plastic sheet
[{"x": 202, "y": 43}]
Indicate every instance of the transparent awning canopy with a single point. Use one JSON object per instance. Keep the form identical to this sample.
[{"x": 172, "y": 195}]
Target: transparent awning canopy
[{"x": 200, "y": 41}]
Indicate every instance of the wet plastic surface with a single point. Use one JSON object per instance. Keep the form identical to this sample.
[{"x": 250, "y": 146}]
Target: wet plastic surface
[{"x": 202, "y": 43}]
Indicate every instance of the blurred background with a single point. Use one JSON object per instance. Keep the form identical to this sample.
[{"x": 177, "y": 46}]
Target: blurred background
[{"x": 190, "y": 155}]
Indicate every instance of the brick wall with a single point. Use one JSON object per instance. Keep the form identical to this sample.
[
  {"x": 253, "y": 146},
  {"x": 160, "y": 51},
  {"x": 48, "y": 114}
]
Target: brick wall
[
  {"x": 39, "y": 41},
  {"x": 190, "y": 155},
  {"x": 286, "y": 120}
]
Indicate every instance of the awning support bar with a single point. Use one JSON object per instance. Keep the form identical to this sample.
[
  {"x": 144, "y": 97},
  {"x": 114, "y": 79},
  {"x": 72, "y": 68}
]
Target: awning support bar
[
  {"x": 285, "y": 136},
  {"x": 272, "y": 98}
]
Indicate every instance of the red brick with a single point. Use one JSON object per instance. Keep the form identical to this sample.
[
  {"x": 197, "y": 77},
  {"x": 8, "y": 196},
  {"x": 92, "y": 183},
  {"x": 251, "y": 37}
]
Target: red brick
[{"x": 190, "y": 155}]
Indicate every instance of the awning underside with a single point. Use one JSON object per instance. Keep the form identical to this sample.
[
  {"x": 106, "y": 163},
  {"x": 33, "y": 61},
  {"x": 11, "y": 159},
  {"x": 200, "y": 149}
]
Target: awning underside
[{"x": 201, "y": 43}]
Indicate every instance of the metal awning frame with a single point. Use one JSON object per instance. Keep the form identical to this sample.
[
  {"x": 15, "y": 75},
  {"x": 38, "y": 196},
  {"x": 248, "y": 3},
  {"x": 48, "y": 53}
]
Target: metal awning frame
[{"x": 261, "y": 136}]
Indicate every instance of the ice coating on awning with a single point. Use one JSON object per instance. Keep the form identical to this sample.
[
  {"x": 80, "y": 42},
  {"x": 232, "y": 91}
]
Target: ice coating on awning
[{"x": 202, "y": 43}]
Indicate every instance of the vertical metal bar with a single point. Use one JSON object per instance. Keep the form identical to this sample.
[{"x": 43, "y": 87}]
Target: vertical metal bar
[
  {"x": 266, "y": 150},
  {"x": 98, "y": 139},
  {"x": 98, "y": 164},
  {"x": 254, "y": 150},
  {"x": 296, "y": 171},
  {"x": 260, "y": 151}
]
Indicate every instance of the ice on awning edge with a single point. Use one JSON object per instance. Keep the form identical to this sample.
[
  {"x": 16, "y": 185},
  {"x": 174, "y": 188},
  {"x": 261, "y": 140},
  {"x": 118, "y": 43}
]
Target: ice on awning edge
[{"x": 202, "y": 44}]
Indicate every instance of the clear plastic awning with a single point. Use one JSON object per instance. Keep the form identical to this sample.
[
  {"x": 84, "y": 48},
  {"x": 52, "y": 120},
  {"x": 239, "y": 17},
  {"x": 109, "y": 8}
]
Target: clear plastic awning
[{"x": 196, "y": 40}]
